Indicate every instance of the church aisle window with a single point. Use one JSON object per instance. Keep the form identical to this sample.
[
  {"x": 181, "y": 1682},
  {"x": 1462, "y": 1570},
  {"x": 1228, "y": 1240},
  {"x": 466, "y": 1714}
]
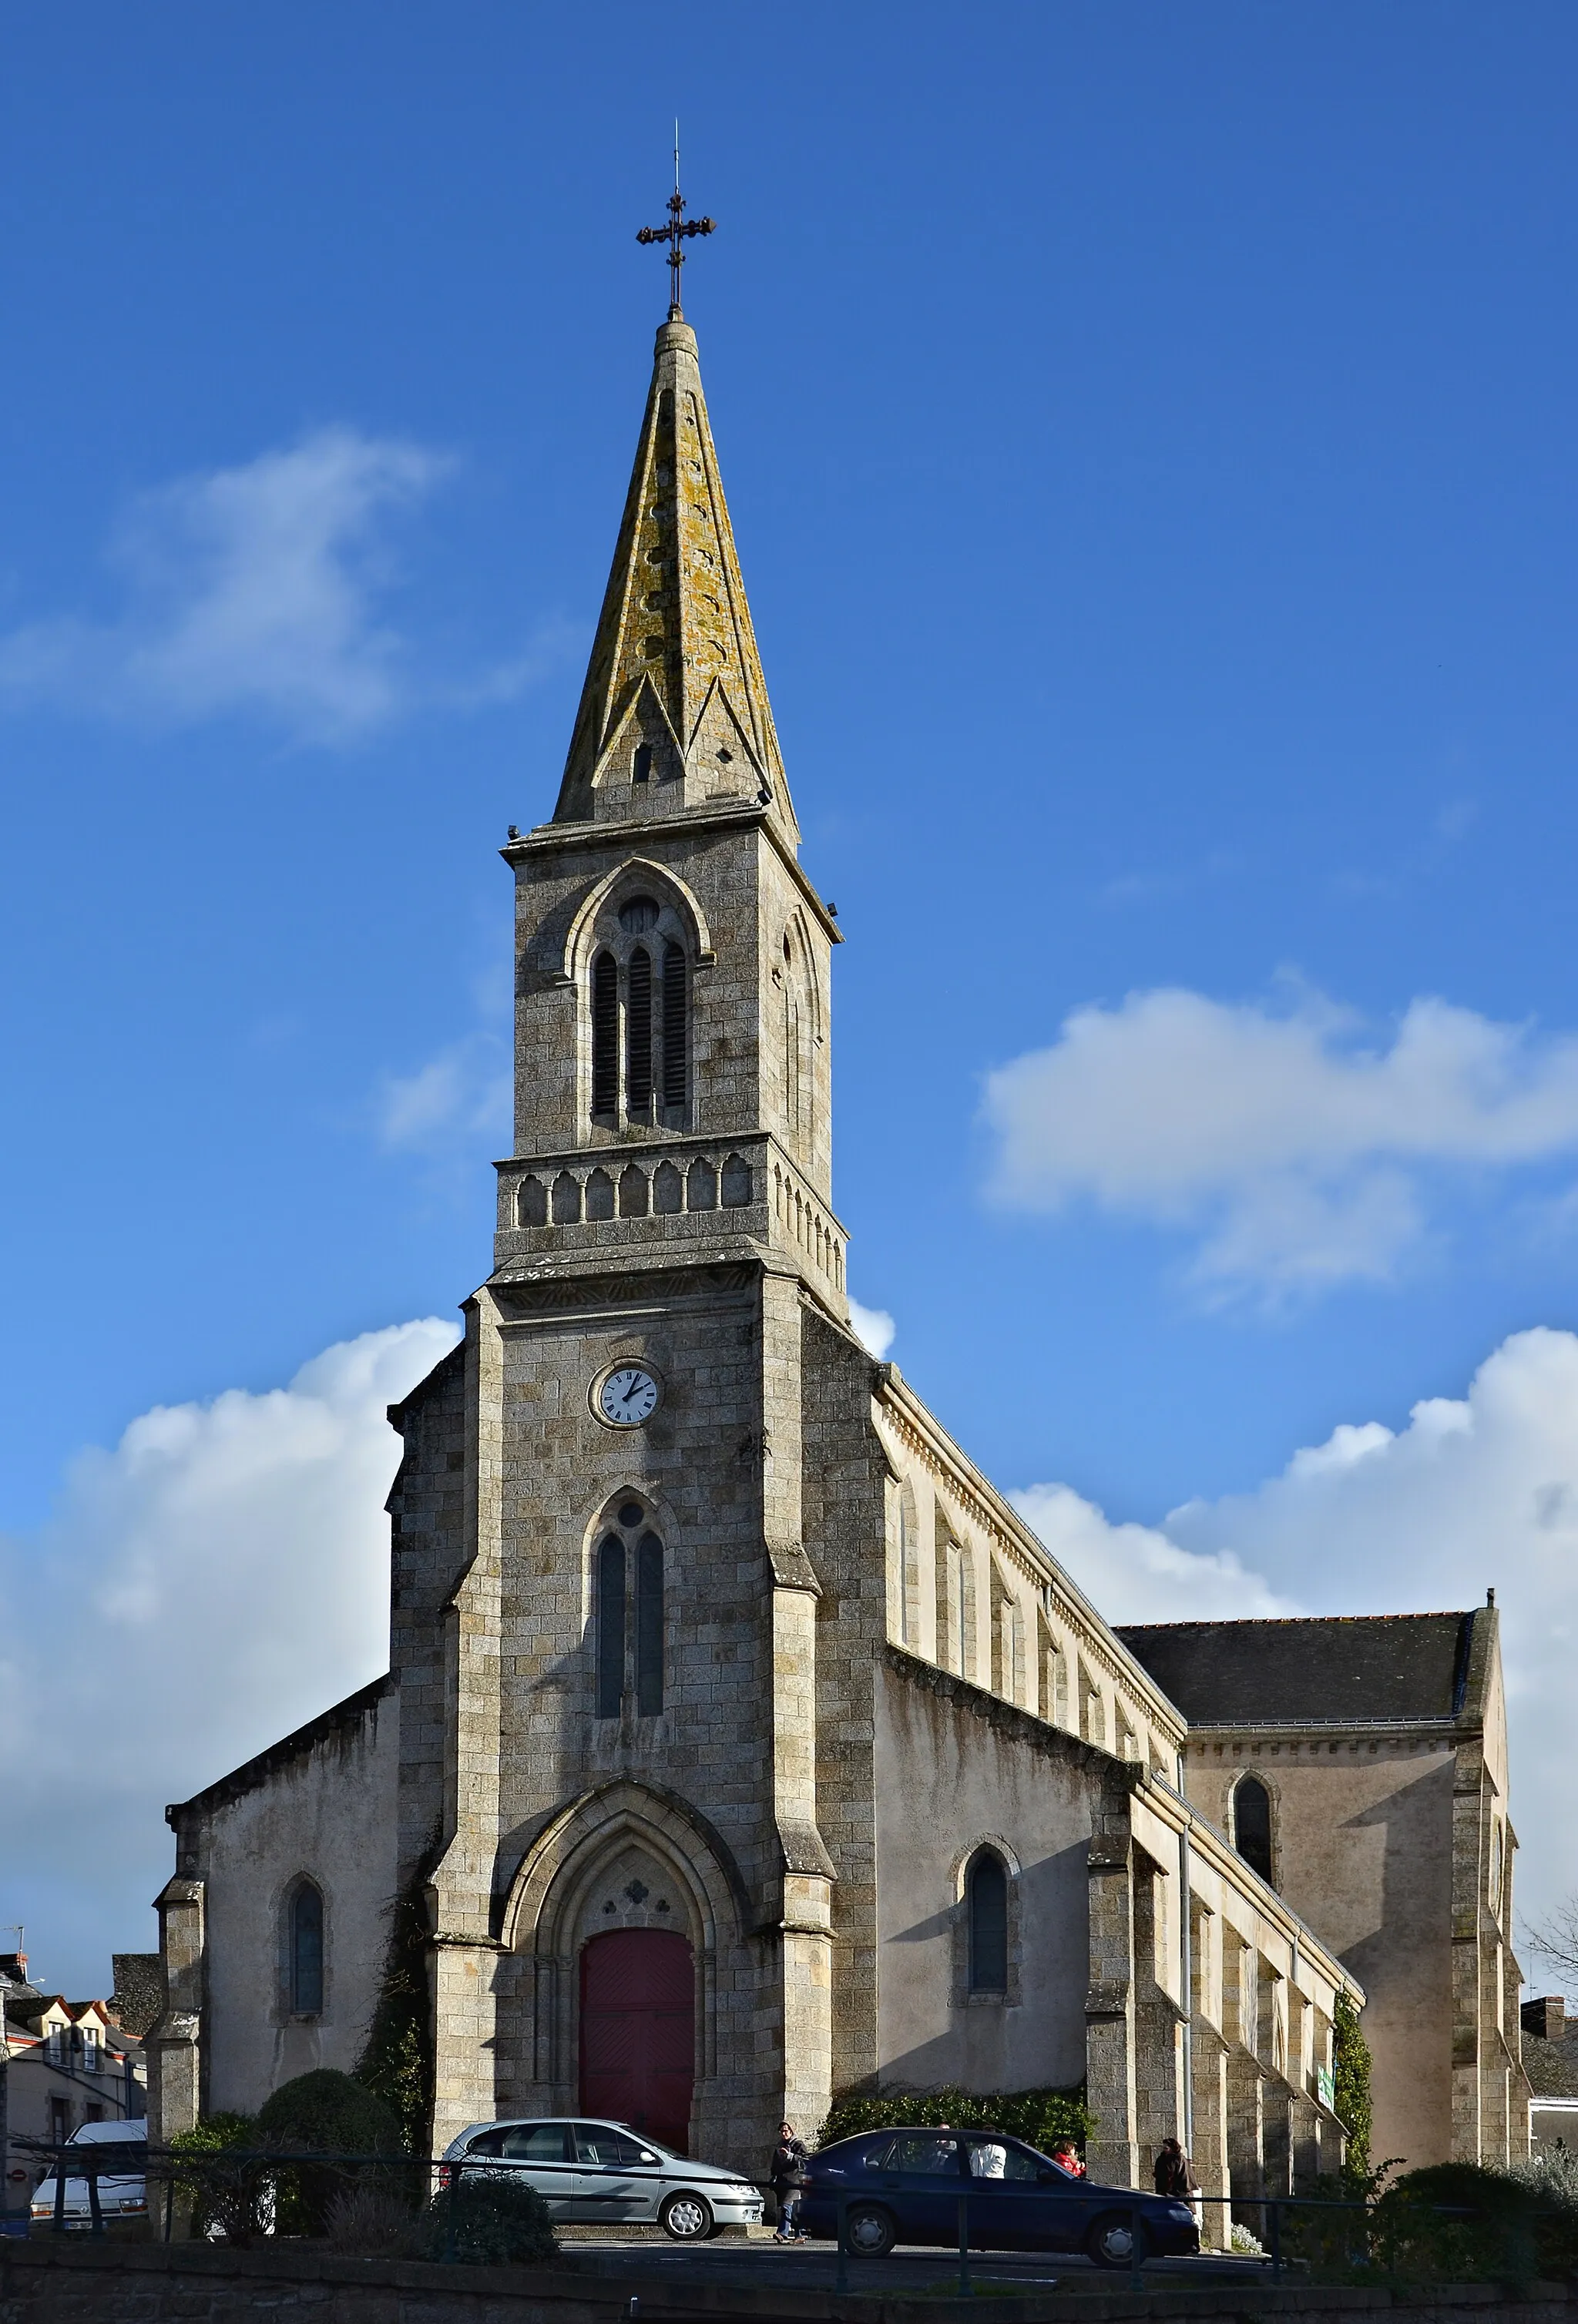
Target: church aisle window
[
  {"x": 986, "y": 1905},
  {"x": 306, "y": 1950},
  {"x": 1251, "y": 1825}
]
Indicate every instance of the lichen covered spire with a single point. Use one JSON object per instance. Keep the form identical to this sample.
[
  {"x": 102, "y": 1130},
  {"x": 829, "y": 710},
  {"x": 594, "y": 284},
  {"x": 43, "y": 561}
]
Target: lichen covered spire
[{"x": 674, "y": 714}]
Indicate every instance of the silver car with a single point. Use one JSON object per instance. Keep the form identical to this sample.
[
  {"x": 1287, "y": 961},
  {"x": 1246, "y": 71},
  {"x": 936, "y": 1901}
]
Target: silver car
[
  {"x": 123, "y": 2185},
  {"x": 597, "y": 2173}
]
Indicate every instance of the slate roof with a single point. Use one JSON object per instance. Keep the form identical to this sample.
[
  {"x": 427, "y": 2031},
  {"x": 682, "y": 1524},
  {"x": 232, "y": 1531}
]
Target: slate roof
[
  {"x": 1368, "y": 1668},
  {"x": 1552, "y": 2066}
]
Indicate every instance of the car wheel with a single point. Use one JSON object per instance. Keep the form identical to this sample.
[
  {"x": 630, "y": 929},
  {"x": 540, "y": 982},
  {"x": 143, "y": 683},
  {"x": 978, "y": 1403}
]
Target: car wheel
[
  {"x": 870, "y": 2232},
  {"x": 687, "y": 2218},
  {"x": 1111, "y": 2241}
]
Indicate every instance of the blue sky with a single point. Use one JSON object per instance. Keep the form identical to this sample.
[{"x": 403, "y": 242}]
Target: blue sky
[{"x": 1148, "y": 435}]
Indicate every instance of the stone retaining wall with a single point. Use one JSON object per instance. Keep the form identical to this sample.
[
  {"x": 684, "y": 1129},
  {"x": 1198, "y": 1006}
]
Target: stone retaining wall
[{"x": 142, "y": 2283}]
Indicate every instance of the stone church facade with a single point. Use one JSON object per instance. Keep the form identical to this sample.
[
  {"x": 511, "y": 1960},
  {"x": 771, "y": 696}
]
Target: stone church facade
[{"x": 740, "y": 1740}]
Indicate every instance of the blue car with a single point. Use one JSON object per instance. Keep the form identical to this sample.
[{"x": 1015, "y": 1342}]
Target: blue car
[{"x": 904, "y": 2186}]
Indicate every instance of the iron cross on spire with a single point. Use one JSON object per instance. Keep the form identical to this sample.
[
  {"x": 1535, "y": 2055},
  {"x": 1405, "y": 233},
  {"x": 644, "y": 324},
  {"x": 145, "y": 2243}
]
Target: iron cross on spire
[{"x": 679, "y": 229}]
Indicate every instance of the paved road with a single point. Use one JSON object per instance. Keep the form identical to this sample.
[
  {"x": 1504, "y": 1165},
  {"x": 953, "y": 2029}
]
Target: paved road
[{"x": 812, "y": 2267}]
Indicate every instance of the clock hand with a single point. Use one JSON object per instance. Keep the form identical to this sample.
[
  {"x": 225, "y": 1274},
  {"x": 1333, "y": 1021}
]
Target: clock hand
[{"x": 630, "y": 1391}]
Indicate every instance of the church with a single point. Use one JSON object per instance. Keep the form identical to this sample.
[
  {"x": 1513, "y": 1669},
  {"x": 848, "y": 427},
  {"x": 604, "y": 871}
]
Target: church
[{"x": 740, "y": 1745}]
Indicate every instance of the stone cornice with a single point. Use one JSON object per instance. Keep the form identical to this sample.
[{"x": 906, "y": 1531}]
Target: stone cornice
[
  {"x": 898, "y": 1405},
  {"x": 564, "y": 838}
]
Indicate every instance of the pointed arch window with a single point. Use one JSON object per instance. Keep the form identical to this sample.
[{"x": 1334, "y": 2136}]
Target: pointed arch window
[
  {"x": 631, "y": 1615},
  {"x": 605, "y": 1036},
  {"x": 1251, "y": 1825},
  {"x": 986, "y": 1908},
  {"x": 640, "y": 1010},
  {"x": 637, "y": 1033},
  {"x": 649, "y": 1627},
  {"x": 611, "y": 1561},
  {"x": 675, "y": 1024},
  {"x": 304, "y": 1948}
]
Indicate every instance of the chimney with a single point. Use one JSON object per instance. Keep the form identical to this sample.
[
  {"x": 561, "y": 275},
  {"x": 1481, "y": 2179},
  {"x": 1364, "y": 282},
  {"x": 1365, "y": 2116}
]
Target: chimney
[
  {"x": 14, "y": 1966},
  {"x": 1545, "y": 2019}
]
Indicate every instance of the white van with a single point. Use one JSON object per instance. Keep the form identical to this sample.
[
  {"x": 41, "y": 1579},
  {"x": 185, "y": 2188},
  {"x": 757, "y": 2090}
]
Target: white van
[{"x": 122, "y": 2184}]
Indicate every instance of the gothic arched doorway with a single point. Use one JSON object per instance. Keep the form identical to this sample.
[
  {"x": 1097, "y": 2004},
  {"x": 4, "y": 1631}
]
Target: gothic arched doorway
[{"x": 638, "y": 2040}]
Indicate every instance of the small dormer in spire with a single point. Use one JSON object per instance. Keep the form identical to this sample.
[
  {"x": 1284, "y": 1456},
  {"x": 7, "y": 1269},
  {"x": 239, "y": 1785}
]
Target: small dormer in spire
[{"x": 673, "y": 715}]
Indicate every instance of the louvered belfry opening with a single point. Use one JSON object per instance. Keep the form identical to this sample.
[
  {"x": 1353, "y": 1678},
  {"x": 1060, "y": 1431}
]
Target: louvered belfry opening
[
  {"x": 640, "y": 1001},
  {"x": 638, "y": 1034},
  {"x": 676, "y": 1025},
  {"x": 605, "y": 1036}
]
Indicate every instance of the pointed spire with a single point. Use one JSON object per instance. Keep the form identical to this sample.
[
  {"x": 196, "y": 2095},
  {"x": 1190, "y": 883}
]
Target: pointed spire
[{"x": 674, "y": 713}]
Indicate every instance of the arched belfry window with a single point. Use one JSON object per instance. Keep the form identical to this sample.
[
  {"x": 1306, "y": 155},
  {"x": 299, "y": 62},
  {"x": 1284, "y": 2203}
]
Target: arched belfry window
[
  {"x": 1251, "y": 1825},
  {"x": 605, "y": 1036},
  {"x": 630, "y": 1629},
  {"x": 986, "y": 1909},
  {"x": 304, "y": 1950},
  {"x": 638, "y": 1034},
  {"x": 639, "y": 1005},
  {"x": 676, "y": 1025}
]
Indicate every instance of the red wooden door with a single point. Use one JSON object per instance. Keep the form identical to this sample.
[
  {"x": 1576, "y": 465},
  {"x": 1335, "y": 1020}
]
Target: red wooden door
[{"x": 638, "y": 2018}]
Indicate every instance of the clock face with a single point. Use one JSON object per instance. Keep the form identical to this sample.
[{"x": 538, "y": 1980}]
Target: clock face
[{"x": 628, "y": 1396}]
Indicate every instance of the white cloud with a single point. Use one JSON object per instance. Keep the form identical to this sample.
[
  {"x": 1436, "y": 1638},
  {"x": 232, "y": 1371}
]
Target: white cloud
[
  {"x": 216, "y": 1580},
  {"x": 463, "y": 1094},
  {"x": 265, "y": 589},
  {"x": 873, "y": 1327},
  {"x": 1476, "y": 1490},
  {"x": 1296, "y": 1152},
  {"x": 1134, "y": 1573}
]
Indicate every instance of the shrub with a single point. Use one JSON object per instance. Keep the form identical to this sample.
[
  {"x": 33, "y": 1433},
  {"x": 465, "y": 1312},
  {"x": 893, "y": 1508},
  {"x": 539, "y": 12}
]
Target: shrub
[
  {"x": 324, "y": 2113},
  {"x": 229, "y": 2196},
  {"x": 1456, "y": 2222},
  {"x": 485, "y": 2221},
  {"x": 368, "y": 2222},
  {"x": 1246, "y": 2246},
  {"x": 1037, "y": 2116}
]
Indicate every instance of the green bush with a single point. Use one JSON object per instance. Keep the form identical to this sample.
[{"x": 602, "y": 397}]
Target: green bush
[
  {"x": 1037, "y": 2116},
  {"x": 324, "y": 2113},
  {"x": 486, "y": 2222},
  {"x": 226, "y": 2195},
  {"x": 1456, "y": 2222}
]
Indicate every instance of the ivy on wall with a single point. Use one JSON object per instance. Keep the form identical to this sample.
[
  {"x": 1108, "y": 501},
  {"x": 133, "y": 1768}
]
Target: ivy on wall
[
  {"x": 1351, "y": 2100},
  {"x": 396, "y": 2063}
]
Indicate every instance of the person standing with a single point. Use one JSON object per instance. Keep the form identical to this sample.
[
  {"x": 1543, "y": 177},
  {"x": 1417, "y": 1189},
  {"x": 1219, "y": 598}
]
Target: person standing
[
  {"x": 789, "y": 2183},
  {"x": 1175, "y": 2173}
]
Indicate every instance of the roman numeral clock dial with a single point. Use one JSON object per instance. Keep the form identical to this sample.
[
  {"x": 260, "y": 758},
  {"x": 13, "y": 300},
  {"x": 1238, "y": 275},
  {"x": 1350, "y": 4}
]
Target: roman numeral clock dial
[{"x": 628, "y": 1396}]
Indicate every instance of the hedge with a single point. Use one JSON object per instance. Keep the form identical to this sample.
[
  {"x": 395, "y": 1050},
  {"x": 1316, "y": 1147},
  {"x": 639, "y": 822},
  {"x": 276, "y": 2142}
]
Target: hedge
[{"x": 1037, "y": 2116}]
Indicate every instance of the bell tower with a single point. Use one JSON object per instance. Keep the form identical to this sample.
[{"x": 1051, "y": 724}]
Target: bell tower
[
  {"x": 673, "y": 985},
  {"x": 605, "y": 1617}
]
